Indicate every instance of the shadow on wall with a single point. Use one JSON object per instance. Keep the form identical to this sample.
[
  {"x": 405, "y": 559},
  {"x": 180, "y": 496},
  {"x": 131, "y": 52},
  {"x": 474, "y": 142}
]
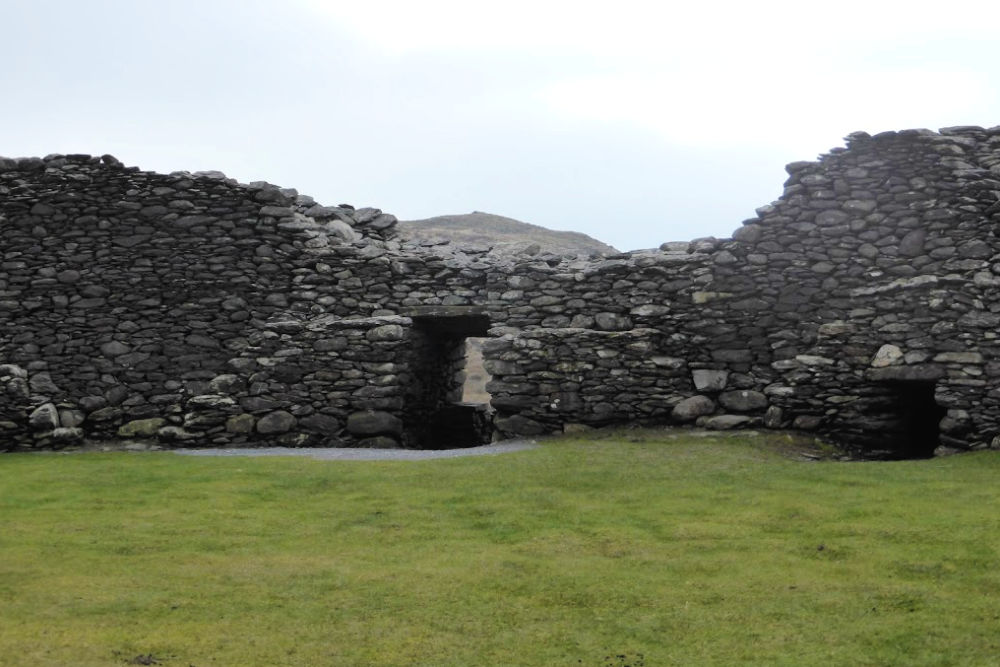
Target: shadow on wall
[
  {"x": 904, "y": 423},
  {"x": 444, "y": 410}
]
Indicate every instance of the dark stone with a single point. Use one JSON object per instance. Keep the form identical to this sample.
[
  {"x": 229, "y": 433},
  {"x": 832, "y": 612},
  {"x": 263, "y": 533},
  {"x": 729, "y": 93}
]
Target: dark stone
[
  {"x": 691, "y": 408},
  {"x": 518, "y": 425},
  {"x": 379, "y": 442},
  {"x": 725, "y": 422},
  {"x": 44, "y": 417},
  {"x": 278, "y": 421},
  {"x": 319, "y": 423},
  {"x": 709, "y": 380},
  {"x": 919, "y": 373},
  {"x": 912, "y": 244},
  {"x": 373, "y": 422},
  {"x": 743, "y": 401}
]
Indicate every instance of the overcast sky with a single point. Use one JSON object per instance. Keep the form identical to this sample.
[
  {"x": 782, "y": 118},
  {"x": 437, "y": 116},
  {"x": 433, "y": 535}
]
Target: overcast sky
[{"x": 634, "y": 122}]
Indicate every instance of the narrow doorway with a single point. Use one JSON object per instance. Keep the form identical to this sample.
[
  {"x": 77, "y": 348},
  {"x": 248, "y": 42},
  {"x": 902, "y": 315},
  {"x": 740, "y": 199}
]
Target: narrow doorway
[
  {"x": 908, "y": 420},
  {"x": 447, "y": 405},
  {"x": 920, "y": 417}
]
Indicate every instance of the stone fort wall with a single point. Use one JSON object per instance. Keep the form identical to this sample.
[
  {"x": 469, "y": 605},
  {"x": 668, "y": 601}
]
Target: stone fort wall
[{"x": 190, "y": 308}]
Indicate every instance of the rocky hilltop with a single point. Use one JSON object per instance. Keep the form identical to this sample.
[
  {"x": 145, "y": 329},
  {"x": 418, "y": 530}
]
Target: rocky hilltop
[{"x": 502, "y": 233}]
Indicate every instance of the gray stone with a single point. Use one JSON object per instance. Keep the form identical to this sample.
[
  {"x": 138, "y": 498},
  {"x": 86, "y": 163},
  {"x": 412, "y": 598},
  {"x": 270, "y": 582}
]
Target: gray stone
[
  {"x": 807, "y": 422},
  {"x": 975, "y": 249},
  {"x": 859, "y": 206},
  {"x": 774, "y": 417},
  {"x": 199, "y": 340},
  {"x": 732, "y": 356},
  {"x": 11, "y": 371},
  {"x": 374, "y": 422},
  {"x": 725, "y": 422},
  {"x": 915, "y": 373},
  {"x": 330, "y": 344},
  {"x": 70, "y": 418},
  {"x": 912, "y": 244},
  {"x": 832, "y": 217},
  {"x": 519, "y": 425},
  {"x": 743, "y": 401},
  {"x": 141, "y": 428},
  {"x": 612, "y": 322},
  {"x": 115, "y": 348},
  {"x": 669, "y": 363},
  {"x": 868, "y": 251},
  {"x": 650, "y": 310},
  {"x": 814, "y": 360},
  {"x": 63, "y": 436},
  {"x": 226, "y": 384},
  {"x": 320, "y": 423},
  {"x": 259, "y": 404},
  {"x": 242, "y": 423},
  {"x": 887, "y": 355},
  {"x": 691, "y": 408},
  {"x": 724, "y": 257},
  {"x": 497, "y": 367},
  {"x": 41, "y": 383},
  {"x": 44, "y": 418},
  {"x": 210, "y": 402},
  {"x": 109, "y": 413},
  {"x": 959, "y": 358},
  {"x": 709, "y": 380},
  {"x": 748, "y": 234},
  {"x": 277, "y": 211},
  {"x": 175, "y": 434},
  {"x": 91, "y": 403},
  {"x": 837, "y": 328},
  {"x": 700, "y": 298},
  {"x": 278, "y": 421},
  {"x": 386, "y": 332},
  {"x": 68, "y": 276}
]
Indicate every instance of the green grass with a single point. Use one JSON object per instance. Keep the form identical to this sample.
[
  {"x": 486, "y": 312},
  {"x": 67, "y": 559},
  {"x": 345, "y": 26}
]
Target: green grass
[{"x": 622, "y": 549}]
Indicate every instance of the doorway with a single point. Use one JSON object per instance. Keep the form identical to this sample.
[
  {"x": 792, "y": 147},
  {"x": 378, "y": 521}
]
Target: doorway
[
  {"x": 447, "y": 405},
  {"x": 905, "y": 423}
]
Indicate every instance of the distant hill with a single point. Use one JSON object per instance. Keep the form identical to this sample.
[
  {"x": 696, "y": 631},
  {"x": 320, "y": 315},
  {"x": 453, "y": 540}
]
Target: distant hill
[{"x": 485, "y": 229}]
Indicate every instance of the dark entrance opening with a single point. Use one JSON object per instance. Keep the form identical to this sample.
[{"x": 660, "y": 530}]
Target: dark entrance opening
[
  {"x": 437, "y": 415},
  {"x": 906, "y": 425}
]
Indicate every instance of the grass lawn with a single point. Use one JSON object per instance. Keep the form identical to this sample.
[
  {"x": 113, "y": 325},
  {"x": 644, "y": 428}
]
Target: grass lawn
[{"x": 629, "y": 548}]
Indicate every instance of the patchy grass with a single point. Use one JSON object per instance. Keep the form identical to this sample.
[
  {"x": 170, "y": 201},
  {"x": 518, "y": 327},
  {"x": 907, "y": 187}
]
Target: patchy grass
[{"x": 620, "y": 549}]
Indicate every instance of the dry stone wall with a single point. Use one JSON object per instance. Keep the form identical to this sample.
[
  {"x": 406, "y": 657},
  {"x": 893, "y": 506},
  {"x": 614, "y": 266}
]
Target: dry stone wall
[
  {"x": 130, "y": 299},
  {"x": 190, "y": 308}
]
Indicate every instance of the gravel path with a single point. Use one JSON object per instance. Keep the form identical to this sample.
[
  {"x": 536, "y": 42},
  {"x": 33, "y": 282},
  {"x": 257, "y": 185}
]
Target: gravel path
[{"x": 361, "y": 454}]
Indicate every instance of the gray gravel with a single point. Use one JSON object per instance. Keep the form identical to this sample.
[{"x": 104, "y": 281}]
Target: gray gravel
[{"x": 360, "y": 454}]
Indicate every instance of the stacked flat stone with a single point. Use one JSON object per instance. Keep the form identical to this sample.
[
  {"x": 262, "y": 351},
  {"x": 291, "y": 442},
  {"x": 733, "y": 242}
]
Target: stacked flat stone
[
  {"x": 188, "y": 308},
  {"x": 125, "y": 294}
]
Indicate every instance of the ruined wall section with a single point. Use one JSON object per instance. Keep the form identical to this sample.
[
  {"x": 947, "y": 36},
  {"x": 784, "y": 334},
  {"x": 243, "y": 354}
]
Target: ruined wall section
[
  {"x": 125, "y": 294},
  {"x": 190, "y": 307},
  {"x": 877, "y": 266},
  {"x": 888, "y": 244}
]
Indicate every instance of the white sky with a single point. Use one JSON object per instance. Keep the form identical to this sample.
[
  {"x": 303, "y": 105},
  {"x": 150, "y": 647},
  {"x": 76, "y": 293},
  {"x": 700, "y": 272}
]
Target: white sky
[{"x": 634, "y": 122}]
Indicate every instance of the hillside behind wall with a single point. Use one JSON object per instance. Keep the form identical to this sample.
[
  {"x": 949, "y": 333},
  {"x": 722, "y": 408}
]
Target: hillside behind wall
[{"x": 192, "y": 308}]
